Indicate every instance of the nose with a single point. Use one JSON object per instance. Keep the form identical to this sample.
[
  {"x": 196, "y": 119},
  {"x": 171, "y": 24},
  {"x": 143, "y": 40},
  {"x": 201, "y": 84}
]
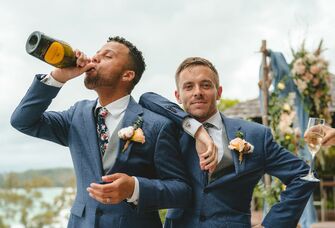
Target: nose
[
  {"x": 96, "y": 58},
  {"x": 197, "y": 92}
]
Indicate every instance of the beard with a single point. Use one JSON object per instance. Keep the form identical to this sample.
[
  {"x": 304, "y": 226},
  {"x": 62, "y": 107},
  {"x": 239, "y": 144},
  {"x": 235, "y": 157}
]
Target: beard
[
  {"x": 91, "y": 82},
  {"x": 94, "y": 81}
]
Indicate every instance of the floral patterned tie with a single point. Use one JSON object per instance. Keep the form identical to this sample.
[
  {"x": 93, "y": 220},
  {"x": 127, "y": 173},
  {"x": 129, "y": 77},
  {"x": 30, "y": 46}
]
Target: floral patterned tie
[{"x": 102, "y": 129}]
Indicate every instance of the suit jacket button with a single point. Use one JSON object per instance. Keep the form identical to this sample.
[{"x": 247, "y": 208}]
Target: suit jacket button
[
  {"x": 202, "y": 218},
  {"x": 205, "y": 190}
]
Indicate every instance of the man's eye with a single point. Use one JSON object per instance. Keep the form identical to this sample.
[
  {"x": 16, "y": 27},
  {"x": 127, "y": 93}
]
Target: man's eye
[
  {"x": 188, "y": 87},
  {"x": 206, "y": 85}
]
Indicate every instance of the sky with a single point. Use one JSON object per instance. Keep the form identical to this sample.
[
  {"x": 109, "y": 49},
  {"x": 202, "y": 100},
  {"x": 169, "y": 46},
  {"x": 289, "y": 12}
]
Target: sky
[{"x": 228, "y": 33}]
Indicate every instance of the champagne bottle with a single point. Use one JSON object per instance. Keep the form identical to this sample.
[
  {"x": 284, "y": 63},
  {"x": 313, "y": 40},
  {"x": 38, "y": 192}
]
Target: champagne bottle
[{"x": 52, "y": 51}]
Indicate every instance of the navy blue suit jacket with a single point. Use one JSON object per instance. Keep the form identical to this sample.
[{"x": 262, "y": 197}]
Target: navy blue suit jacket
[
  {"x": 157, "y": 163},
  {"x": 225, "y": 202}
]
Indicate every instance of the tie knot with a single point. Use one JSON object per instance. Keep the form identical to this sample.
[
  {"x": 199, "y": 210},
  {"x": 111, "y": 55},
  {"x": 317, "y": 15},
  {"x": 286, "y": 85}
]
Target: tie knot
[
  {"x": 102, "y": 111},
  {"x": 207, "y": 125}
]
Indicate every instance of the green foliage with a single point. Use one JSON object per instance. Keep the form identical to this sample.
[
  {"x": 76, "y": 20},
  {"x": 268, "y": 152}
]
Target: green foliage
[
  {"x": 325, "y": 162},
  {"x": 26, "y": 206},
  {"x": 226, "y": 103},
  {"x": 162, "y": 214},
  {"x": 239, "y": 134},
  {"x": 61, "y": 177},
  {"x": 271, "y": 194},
  {"x": 282, "y": 115}
]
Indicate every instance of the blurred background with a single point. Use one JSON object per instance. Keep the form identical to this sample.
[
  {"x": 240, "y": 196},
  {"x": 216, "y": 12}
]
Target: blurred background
[{"x": 229, "y": 33}]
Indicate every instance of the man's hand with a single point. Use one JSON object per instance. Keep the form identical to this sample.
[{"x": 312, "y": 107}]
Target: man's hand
[
  {"x": 83, "y": 64},
  {"x": 207, "y": 150},
  {"x": 119, "y": 187},
  {"x": 328, "y": 132}
]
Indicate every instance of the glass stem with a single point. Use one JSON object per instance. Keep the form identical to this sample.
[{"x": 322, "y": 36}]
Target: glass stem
[{"x": 311, "y": 167}]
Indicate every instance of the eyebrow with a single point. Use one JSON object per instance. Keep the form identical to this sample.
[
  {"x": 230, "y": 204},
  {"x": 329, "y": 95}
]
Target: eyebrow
[
  {"x": 107, "y": 51},
  {"x": 188, "y": 82},
  {"x": 202, "y": 81},
  {"x": 206, "y": 80}
]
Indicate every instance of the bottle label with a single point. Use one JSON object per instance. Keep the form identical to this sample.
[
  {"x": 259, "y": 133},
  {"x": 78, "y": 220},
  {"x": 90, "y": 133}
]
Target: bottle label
[{"x": 55, "y": 53}]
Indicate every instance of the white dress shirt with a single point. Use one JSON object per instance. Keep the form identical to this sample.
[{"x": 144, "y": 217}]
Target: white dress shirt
[{"x": 116, "y": 111}]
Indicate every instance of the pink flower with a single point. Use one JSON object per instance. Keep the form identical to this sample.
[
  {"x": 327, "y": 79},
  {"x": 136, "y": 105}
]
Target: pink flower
[
  {"x": 126, "y": 133},
  {"x": 302, "y": 85},
  {"x": 315, "y": 69},
  {"x": 318, "y": 94},
  {"x": 316, "y": 82},
  {"x": 104, "y": 136},
  {"x": 104, "y": 113},
  {"x": 299, "y": 67},
  {"x": 308, "y": 76}
]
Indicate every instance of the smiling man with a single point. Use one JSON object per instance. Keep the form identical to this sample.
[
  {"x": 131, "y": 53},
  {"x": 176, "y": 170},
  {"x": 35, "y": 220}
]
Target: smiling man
[{"x": 223, "y": 198}]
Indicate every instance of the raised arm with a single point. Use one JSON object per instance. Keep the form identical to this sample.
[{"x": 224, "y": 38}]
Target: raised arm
[
  {"x": 163, "y": 106},
  {"x": 31, "y": 117}
]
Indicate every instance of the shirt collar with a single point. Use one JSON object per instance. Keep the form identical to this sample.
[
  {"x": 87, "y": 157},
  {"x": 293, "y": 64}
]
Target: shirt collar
[
  {"x": 215, "y": 120},
  {"x": 116, "y": 107}
]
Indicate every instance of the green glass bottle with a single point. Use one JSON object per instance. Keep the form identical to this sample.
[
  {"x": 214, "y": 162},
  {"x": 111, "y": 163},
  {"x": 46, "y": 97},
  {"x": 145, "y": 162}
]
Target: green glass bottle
[{"x": 54, "y": 52}]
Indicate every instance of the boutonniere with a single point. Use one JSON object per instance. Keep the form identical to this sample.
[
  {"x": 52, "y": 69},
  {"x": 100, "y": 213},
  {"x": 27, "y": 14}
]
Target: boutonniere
[
  {"x": 132, "y": 133},
  {"x": 241, "y": 146}
]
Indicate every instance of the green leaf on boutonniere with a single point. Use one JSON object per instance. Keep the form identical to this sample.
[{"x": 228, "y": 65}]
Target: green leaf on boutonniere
[
  {"x": 239, "y": 134},
  {"x": 138, "y": 123}
]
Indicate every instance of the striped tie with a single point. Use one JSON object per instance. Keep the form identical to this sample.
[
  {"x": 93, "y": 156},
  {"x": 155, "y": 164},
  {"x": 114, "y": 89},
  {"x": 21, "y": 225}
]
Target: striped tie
[{"x": 206, "y": 174}]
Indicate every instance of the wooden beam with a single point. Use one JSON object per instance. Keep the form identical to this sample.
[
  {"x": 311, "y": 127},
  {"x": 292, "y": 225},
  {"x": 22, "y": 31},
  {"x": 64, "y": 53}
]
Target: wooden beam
[{"x": 264, "y": 83}]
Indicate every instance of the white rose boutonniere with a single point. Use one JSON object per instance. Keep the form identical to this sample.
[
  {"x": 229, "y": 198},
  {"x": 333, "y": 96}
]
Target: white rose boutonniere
[
  {"x": 241, "y": 146},
  {"x": 132, "y": 133}
]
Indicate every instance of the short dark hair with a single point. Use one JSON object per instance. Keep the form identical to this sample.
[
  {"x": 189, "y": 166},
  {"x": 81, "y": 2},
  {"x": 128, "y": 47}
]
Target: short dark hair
[
  {"x": 197, "y": 61},
  {"x": 136, "y": 63}
]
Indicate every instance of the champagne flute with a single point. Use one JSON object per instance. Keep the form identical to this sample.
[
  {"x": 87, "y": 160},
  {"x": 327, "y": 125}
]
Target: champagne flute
[{"x": 313, "y": 140}]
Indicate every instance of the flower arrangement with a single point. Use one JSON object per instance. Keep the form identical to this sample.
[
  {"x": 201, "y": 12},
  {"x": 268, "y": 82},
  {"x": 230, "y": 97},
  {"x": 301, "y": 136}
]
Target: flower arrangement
[
  {"x": 282, "y": 119},
  {"x": 310, "y": 73}
]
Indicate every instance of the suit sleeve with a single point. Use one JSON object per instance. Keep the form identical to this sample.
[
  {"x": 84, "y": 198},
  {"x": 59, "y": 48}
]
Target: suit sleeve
[
  {"x": 31, "y": 118},
  {"x": 172, "y": 189},
  {"x": 158, "y": 104},
  {"x": 281, "y": 163}
]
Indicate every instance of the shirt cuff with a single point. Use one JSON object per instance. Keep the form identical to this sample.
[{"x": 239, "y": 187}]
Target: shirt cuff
[
  {"x": 136, "y": 194},
  {"x": 251, "y": 148},
  {"x": 51, "y": 81},
  {"x": 191, "y": 126}
]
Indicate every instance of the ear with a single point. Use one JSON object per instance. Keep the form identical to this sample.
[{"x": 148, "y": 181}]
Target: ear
[
  {"x": 128, "y": 76},
  {"x": 219, "y": 92},
  {"x": 177, "y": 95}
]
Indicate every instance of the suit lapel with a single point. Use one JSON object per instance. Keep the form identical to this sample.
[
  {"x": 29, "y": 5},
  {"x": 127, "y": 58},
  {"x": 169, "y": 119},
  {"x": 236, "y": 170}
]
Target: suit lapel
[
  {"x": 91, "y": 136},
  {"x": 133, "y": 111}
]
